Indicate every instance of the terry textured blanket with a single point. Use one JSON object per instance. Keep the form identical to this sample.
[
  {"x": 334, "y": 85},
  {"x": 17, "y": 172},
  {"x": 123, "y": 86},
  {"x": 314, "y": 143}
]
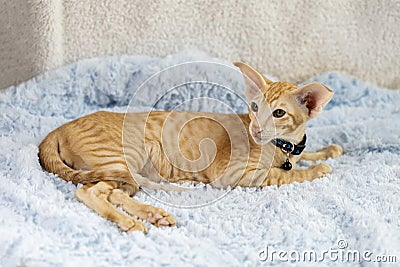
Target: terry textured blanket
[{"x": 356, "y": 208}]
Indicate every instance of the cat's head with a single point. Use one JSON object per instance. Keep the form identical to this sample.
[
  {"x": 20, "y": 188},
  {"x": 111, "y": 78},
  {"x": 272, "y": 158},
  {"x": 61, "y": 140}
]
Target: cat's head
[{"x": 281, "y": 109}]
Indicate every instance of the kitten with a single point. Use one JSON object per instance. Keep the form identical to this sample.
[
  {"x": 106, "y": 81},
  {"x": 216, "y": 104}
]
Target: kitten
[{"x": 114, "y": 154}]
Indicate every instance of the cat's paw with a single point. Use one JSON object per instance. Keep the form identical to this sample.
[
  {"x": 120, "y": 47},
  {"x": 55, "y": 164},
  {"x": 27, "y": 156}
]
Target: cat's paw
[
  {"x": 159, "y": 217},
  {"x": 332, "y": 151},
  {"x": 321, "y": 169},
  {"x": 130, "y": 225}
]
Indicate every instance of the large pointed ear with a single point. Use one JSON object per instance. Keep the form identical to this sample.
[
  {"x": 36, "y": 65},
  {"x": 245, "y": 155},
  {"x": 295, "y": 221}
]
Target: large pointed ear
[
  {"x": 314, "y": 96},
  {"x": 254, "y": 81}
]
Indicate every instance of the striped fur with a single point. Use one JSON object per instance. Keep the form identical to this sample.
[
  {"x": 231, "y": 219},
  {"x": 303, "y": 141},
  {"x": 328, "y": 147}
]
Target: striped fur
[{"x": 114, "y": 154}]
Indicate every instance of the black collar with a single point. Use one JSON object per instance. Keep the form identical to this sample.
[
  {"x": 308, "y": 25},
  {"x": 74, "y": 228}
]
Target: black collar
[{"x": 289, "y": 147}]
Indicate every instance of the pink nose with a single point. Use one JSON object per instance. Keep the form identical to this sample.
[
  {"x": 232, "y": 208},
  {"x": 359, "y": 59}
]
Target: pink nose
[{"x": 256, "y": 131}]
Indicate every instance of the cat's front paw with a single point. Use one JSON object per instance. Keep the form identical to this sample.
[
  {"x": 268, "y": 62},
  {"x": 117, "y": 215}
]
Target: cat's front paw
[
  {"x": 321, "y": 169},
  {"x": 332, "y": 151}
]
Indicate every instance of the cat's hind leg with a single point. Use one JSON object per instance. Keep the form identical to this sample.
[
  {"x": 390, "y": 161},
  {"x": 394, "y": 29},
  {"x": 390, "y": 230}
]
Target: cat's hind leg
[
  {"x": 95, "y": 196},
  {"x": 332, "y": 151},
  {"x": 156, "y": 216}
]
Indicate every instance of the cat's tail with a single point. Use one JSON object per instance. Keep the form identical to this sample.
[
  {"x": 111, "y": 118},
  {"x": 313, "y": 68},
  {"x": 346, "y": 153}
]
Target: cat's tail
[{"x": 51, "y": 161}]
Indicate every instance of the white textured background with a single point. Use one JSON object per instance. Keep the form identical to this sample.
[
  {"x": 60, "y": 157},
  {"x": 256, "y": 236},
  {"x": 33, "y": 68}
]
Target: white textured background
[
  {"x": 292, "y": 40},
  {"x": 42, "y": 223}
]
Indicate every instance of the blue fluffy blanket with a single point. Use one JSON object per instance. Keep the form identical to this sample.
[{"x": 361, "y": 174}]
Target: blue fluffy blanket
[{"x": 356, "y": 208}]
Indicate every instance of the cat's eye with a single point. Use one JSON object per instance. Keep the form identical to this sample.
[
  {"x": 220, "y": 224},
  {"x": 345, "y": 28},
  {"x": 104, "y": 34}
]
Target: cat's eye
[
  {"x": 254, "y": 107},
  {"x": 278, "y": 113}
]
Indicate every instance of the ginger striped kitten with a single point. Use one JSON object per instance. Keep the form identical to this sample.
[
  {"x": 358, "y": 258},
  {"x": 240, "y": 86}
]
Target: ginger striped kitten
[{"x": 114, "y": 154}]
